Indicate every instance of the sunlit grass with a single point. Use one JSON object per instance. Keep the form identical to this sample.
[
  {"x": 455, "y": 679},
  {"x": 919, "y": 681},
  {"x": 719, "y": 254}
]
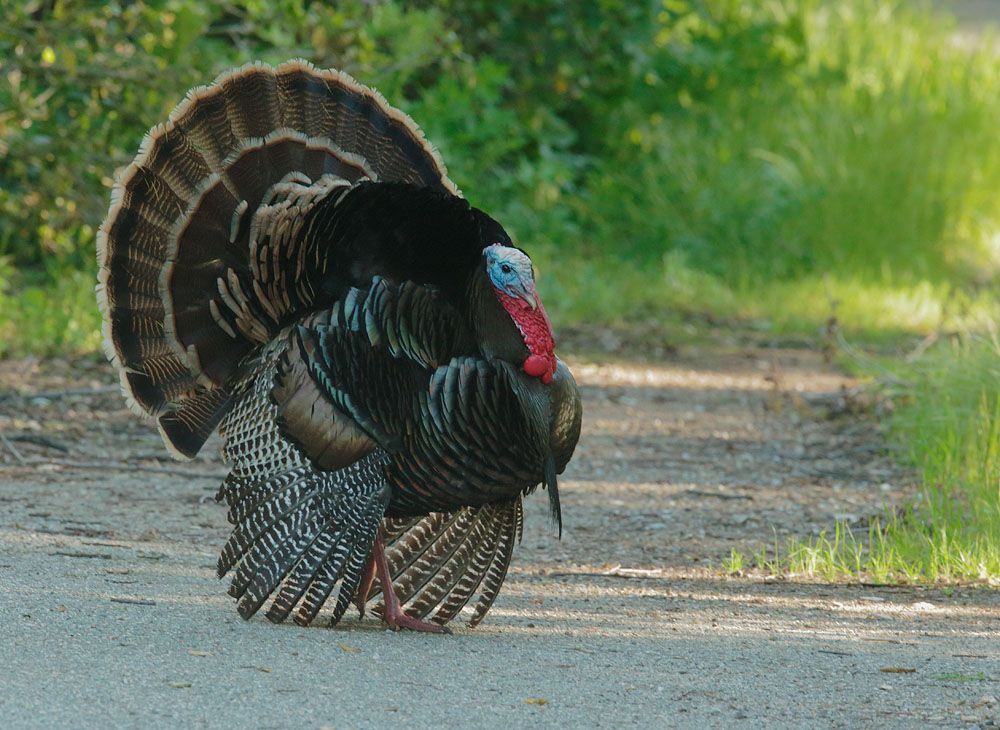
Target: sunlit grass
[
  {"x": 949, "y": 430},
  {"x": 608, "y": 293},
  {"x": 58, "y": 316},
  {"x": 952, "y": 431}
]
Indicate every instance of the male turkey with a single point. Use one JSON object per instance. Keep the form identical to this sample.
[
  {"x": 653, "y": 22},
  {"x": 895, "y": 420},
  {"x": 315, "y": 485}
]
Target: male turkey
[{"x": 287, "y": 261}]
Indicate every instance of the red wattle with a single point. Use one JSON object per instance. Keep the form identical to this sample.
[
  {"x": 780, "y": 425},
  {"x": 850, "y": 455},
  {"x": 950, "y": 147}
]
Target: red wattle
[
  {"x": 535, "y": 365},
  {"x": 537, "y": 332}
]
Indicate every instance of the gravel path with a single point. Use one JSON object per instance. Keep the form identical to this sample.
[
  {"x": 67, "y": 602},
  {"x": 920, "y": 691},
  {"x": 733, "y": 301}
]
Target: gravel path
[{"x": 110, "y": 614}]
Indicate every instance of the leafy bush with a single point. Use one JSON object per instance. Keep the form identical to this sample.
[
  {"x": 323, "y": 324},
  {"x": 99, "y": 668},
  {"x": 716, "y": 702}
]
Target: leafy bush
[
  {"x": 83, "y": 82},
  {"x": 730, "y": 143}
]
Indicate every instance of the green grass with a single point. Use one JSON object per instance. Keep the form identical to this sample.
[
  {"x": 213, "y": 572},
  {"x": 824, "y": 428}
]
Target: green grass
[
  {"x": 55, "y": 316},
  {"x": 963, "y": 677},
  {"x": 577, "y": 290},
  {"x": 948, "y": 428}
]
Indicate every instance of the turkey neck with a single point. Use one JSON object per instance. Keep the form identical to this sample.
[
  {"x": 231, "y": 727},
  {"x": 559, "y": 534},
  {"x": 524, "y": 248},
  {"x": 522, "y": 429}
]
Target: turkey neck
[{"x": 496, "y": 333}]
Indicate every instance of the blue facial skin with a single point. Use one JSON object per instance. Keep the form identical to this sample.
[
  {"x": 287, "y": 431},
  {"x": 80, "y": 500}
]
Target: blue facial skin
[
  {"x": 511, "y": 276},
  {"x": 502, "y": 275}
]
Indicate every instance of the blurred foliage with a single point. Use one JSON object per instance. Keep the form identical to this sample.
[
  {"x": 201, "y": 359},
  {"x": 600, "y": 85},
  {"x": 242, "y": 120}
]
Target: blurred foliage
[
  {"x": 82, "y": 82},
  {"x": 704, "y": 151}
]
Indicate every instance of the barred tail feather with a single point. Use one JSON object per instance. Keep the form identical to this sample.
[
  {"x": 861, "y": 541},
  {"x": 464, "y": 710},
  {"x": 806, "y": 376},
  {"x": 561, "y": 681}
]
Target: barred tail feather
[
  {"x": 469, "y": 579},
  {"x": 364, "y": 535},
  {"x": 314, "y": 558},
  {"x": 319, "y": 590},
  {"x": 286, "y": 506},
  {"x": 497, "y": 571},
  {"x": 432, "y": 558},
  {"x": 306, "y": 531},
  {"x": 445, "y": 580},
  {"x": 264, "y": 574},
  {"x": 441, "y": 561},
  {"x": 395, "y": 528}
]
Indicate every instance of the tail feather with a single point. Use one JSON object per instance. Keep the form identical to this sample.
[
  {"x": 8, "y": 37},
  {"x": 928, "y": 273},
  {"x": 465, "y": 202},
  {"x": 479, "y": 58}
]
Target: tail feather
[
  {"x": 429, "y": 560},
  {"x": 444, "y": 580},
  {"x": 314, "y": 556},
  {"x": 177, "y": 231},
  {"x": 354, "y": 565},
  {"x": 308, "y": 531},
  {"x": 437, "y": 555},
  {"x": 258, "y": 504},
  {"x": 187, "y": 427},
  {"x": 442, "y": 560},
  {"x": 260, "y": 525},
  {"x": 395, "y": 528},
  {"x": 268, "y": 572},
  {"x": 497, "y": 572},
  {"x": 468, "y": 582},
  {"x": 317, "y": 593},
  {"x": 262, "y": 549}
]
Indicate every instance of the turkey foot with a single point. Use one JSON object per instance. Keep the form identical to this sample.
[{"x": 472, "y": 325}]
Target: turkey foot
[{"x": 393, "y": 614}]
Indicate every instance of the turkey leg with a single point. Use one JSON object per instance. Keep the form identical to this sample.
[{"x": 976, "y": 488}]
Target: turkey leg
[
  {"x": 365, "y": 584},
  {"x": 393, "y": 614}
]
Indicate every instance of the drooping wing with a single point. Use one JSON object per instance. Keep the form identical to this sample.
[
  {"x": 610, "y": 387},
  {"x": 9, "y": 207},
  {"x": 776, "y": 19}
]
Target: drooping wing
[
  {"x": 310, "y": 423},
  {"x": 294, "y": 525},
  {"x": 443, "y": 560}
]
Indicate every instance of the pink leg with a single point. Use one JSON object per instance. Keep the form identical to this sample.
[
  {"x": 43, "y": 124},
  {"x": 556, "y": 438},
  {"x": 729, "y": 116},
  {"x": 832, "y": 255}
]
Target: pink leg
[
  {"x": 393, "y": 614},
  {"x": 365, "y": 584}
]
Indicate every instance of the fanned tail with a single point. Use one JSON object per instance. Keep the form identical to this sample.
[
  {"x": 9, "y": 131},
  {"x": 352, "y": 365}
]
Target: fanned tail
[{"x": 200, "y": 257}]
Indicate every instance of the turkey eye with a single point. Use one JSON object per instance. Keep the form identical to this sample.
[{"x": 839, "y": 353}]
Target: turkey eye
[{"x": 505, "y": 269}]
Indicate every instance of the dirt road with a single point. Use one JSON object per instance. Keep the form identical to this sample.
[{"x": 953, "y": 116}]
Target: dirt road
[{"x": 111, "y": 616}]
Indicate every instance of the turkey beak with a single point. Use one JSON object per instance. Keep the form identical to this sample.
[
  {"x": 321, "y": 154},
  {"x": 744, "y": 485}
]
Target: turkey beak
[{"x": 525, "y": 293}]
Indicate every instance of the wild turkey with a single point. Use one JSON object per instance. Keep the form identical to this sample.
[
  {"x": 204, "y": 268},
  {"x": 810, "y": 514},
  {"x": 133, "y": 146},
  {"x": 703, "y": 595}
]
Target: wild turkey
[{"x": 287, "y": 261}]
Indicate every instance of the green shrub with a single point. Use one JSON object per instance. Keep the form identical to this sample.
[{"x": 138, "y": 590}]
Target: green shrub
[{"x": 752, "y": 146}]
